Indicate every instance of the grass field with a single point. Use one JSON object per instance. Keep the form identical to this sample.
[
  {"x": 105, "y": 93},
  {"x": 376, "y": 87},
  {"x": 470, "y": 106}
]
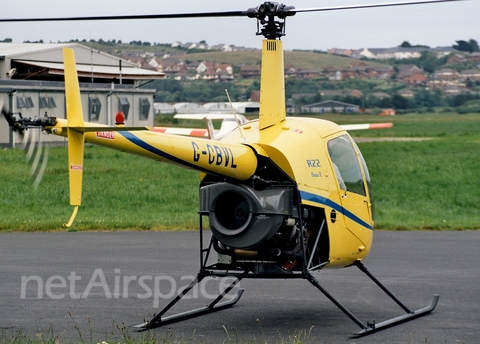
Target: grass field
[{"x": 432, "y": 184}]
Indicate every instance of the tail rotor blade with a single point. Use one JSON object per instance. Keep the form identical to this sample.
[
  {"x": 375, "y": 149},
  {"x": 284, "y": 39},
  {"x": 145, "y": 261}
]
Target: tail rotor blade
[
  {"x": 41, "y": 170},
  {"x": 37, "y": 155}
]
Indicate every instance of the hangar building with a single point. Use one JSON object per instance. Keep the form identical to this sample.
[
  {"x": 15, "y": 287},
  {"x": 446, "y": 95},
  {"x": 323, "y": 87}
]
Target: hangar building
[{"x": 31, "y": 83}]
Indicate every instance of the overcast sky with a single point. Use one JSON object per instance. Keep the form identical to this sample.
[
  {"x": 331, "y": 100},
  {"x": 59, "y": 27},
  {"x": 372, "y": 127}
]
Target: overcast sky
[{"x": 431, "y": 24}]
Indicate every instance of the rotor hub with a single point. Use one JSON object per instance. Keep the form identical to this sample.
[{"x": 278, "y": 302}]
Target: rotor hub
[{"x": 266, "y": 15}]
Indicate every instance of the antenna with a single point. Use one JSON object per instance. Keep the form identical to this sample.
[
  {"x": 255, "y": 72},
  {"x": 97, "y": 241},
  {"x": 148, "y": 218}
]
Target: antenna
[
  {"x": 235, "y": 115},
  {"x": 91, "y": 56}
]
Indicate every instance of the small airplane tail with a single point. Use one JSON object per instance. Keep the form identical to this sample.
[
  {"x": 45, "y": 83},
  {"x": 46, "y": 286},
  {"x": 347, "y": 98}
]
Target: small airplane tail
[
  {"x": 210, "y": 128},
  {"x": 75, "y": 134}
]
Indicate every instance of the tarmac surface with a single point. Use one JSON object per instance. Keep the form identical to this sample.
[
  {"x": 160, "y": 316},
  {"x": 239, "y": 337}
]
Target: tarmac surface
[{"x": 93, "y": 286}]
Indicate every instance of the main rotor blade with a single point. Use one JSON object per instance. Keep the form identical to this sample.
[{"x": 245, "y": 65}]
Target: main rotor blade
[
  {"x": 134, "y": 16},
  {"x": 385, "y": 4},
  {"x": 250, "y": 12}
]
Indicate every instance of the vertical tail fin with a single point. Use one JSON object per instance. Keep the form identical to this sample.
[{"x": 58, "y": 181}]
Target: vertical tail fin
[
  {"x": 76, "y": 138},
  {"x": 210, "y": 128}
]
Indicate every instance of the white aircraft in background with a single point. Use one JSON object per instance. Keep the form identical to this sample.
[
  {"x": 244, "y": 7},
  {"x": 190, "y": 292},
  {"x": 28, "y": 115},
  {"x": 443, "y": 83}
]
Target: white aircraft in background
[{"x": 230, "y": 122}]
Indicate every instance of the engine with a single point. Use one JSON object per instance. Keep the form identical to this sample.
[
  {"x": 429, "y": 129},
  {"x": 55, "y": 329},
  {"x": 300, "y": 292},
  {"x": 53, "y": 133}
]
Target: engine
[
  {"x": 259, "y": 229},
  {"x": 244, "y": 218}
]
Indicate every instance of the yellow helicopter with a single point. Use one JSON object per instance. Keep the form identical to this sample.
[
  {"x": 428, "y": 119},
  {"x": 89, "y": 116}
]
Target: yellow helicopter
[{"x": 284, "y": 196}]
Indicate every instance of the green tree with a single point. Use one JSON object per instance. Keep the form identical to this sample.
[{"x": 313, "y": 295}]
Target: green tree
[
  {"x": 461, "y": 99},
  {"x": 469, "y": 46},
  {"x": 399, "y": 102},
  {"x": 293, "y": 85},
  {"x": 473, "y": 45},
  {"x": 471, "y": 106},
  {"x": 428, "y": 99},
  {"x": 255, "y": 86},
  {"x": 429, "y": 62}
]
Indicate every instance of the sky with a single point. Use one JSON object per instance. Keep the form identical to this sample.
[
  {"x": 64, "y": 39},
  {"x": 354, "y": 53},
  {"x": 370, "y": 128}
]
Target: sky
[{"x": 434, "y": 25}]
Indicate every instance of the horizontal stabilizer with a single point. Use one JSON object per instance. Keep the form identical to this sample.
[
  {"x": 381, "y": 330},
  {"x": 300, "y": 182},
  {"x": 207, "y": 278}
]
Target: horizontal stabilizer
[{"x": 95, "y": 129}]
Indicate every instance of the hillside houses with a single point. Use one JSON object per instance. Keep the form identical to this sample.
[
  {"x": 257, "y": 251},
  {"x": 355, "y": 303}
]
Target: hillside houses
[
  {"x": 469, "y": 74},
  {"x": 451, "y": 80},
  {"x": 463, "y": 58},
  {"x": 175, "y": 68},
  {"x": 204, "y": 46},
  {"x": 396, "y": 53},
  {"x": 250, "y": 71},
  {"x": 171, "y": 67},
  {"x": 360, "y": 71},
  {"x": 411, "y": 75},
  {"x": 408, "y": 74},
  {"x": 216, "y": 71}
]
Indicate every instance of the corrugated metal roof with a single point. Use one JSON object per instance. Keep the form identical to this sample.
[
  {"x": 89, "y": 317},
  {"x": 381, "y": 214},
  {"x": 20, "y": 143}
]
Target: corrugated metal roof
[
  {"x": 127, "y": 72},
  {"x": 50, "y": 56},
  {"x": 13, "y": 49}
]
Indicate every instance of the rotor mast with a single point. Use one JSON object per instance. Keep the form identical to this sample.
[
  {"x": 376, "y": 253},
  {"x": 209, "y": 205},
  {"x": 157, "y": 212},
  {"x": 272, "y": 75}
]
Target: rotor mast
[{"x": 271, "y": 24}]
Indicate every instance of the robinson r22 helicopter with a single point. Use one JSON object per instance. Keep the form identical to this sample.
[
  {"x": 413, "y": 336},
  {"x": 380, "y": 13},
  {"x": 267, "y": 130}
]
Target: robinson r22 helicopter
[{"x": 284, "y": 196}]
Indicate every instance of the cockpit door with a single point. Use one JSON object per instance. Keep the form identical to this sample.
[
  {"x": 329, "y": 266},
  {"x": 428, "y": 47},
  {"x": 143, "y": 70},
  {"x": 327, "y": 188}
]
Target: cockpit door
[{"x": 348, "y": 166}]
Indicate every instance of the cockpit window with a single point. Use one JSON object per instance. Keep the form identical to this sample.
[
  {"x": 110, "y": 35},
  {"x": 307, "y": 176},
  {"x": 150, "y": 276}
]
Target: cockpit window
[
  {"x": 367, "y": 177},
  {"x": 346, "y": 165}
]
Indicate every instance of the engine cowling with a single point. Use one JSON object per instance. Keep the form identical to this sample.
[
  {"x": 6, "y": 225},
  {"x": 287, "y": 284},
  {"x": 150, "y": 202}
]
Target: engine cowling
[{"x": 242, "y": 217}]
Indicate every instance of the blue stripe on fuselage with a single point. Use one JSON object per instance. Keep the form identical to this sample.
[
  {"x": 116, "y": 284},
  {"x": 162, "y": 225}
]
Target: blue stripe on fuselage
[
  {"x": 329, "y": 203},
  {"x": 136, "y": 141}
]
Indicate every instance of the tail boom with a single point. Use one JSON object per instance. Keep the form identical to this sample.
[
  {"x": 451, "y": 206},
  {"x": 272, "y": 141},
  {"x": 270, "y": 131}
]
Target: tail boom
[
  {"x": 230, "y": 160},
  {"x": 235, "y": 161}
]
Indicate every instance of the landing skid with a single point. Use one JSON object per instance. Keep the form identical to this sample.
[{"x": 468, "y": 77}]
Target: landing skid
[
  {"x": 159, "y": 320},
  {"x": 217, "y": 271},
  {"x": 370, "y": 327},
  {"x": 366, "y": 328}
]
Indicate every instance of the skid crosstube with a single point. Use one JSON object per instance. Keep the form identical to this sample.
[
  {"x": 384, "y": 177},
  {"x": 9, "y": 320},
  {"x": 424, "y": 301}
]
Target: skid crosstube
[{"x": 158, "y": 320}]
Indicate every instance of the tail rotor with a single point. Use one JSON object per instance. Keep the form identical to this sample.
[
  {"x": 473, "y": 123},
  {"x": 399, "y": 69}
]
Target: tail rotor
[{"x": 37, "y": 154}]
